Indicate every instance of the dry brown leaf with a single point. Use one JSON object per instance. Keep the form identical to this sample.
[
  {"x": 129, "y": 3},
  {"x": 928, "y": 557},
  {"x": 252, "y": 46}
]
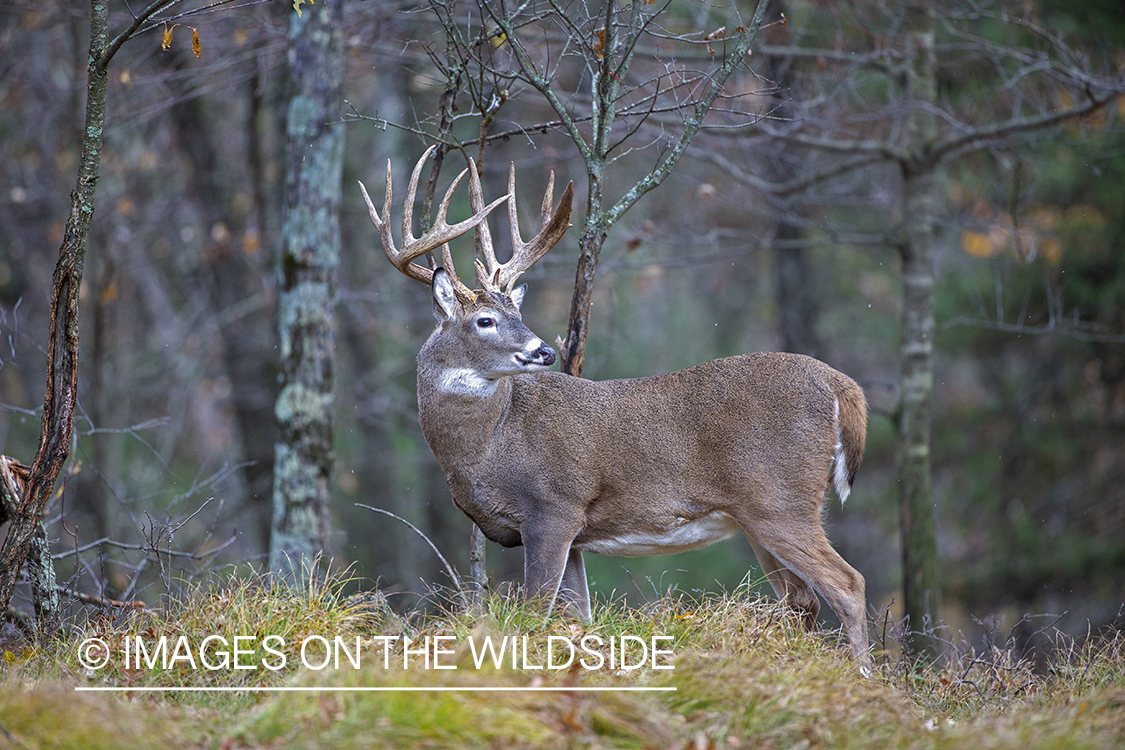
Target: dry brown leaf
[{"x": 599, "y": 45}]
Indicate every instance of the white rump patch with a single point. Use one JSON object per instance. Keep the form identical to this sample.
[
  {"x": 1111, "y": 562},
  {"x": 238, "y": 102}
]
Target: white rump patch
[
  {"x": 465, "y": 381},
  {"x": 840, "y": 461},
  {"x": 708, "y": 529}
]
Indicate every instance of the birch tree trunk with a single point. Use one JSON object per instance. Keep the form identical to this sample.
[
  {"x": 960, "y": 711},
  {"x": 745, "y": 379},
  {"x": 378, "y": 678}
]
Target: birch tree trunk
[{"x": 307, "y": 296}]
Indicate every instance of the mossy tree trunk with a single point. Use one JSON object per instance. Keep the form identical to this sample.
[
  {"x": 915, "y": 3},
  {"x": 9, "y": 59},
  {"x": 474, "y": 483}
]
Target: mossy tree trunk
[
  {"x": 307, "y": 296},
  {"x": 921, "y": 578}
]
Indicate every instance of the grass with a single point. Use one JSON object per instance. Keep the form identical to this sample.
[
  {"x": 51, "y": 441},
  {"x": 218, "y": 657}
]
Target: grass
[{"x": 744, "y": 676}]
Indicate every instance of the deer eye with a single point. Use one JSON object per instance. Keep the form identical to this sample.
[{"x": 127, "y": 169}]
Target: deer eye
[{"x": 486, "y": 322}]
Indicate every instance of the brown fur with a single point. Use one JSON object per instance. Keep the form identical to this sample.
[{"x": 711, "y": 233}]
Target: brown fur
[
  {"x": 648, "y": 465},
  {"x": 564, "y": 465}
]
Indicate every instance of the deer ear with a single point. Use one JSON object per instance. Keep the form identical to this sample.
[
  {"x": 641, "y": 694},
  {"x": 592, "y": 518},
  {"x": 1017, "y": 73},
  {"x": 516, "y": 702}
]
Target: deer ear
[
  {"x": 518, "y": 294},
  {"x": 445, "y": 301}
]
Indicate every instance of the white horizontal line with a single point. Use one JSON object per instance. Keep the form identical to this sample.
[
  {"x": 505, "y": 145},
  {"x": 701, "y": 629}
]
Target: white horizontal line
[{"x": 435, "y": 689}]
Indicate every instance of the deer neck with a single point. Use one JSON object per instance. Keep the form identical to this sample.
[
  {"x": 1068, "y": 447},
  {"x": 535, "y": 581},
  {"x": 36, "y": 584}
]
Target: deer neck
[{"x": 460, "y": 412}]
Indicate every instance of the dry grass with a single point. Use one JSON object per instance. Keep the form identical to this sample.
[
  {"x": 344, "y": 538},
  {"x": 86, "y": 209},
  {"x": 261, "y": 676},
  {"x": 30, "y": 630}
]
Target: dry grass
[{"x": 744, "y": 675}]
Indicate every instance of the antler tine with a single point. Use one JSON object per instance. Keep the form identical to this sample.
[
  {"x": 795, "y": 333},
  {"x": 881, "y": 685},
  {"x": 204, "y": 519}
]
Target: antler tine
[
  {"x": 464, "y": 293},
  {"x": 484, "y": 234},
  {"x": 552, "y": 228},
  {"x": 548, "y": 197},
  {"x": 438, "y": 235},
  {"x": 397, "y": 258},
  {"x": 441, "y": 232}
]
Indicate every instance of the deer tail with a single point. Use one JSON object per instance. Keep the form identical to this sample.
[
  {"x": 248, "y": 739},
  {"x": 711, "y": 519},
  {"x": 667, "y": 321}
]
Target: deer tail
[{"x": 851, "y": 433}]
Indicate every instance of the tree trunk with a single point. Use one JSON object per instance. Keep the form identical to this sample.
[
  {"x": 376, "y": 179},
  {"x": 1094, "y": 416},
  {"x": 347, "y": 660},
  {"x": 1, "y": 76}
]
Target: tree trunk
[
  {"x": 40, "y": 569},
  {"x": 229, "y": 277},
  {"x": 478, "y": 567},
  {"x": 44, "y": 592},
  {"x": 921, "y": 586},
  {"x": 796, "y": 299},
  {"x": 61, "y": 393},
  {"x": 590, "y": 247},
  {"x": 307, "y": 296}
]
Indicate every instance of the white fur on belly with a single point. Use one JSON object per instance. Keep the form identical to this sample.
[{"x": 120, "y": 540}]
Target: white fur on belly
[{"x": 705, "y": 530}]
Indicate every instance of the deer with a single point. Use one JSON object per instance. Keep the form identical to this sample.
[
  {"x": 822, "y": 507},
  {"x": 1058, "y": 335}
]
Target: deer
[{"x": 660, "y": 464}]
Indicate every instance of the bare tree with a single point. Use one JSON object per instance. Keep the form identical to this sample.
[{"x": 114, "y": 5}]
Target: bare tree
[
  {"x": 61, "y": 395},
  {"x": 622, "y": 97},
  {"x": 129, "y": 277}
]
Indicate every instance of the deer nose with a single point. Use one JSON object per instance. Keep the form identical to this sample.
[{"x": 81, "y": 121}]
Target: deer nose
[{"x": 537, "y": 354}]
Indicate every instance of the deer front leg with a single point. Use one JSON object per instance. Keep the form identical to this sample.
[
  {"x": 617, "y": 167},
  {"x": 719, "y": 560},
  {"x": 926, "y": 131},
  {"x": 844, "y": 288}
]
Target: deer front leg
[{"x": 546, "y": 557}]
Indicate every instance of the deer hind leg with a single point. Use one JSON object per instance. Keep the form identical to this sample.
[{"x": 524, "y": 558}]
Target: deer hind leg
[
  {"x": 800, "y": 546},
  {"x": 789, "y": 587}
]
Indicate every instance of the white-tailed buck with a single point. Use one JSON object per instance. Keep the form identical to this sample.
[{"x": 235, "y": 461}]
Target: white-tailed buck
[{"x": 643, "y": 466}]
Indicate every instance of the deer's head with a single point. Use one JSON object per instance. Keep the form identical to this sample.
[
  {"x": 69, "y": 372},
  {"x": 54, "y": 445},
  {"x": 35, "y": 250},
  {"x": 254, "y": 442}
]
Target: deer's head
[
  {"x": 480, "y": 336},
  {"x": 480, "y": 341}
]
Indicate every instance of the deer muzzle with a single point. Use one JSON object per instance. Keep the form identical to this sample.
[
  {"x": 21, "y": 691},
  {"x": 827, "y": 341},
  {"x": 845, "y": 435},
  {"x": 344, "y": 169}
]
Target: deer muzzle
[{"x": 537, "y": 355}]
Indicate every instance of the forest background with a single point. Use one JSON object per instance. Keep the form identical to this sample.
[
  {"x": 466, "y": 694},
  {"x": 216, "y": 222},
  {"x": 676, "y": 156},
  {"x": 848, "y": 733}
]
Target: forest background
[{"x": 172, "y": 465}]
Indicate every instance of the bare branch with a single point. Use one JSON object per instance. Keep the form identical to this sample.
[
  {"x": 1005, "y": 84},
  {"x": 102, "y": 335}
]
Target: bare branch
[
  {"x": 693, "y": 124},
  {"x": 101, "y": 601},
  {"x": 108, "y": 542},
  {"x": 793, "y": 186},
  {"x": 541, "y": 83},
  {"x": 159, "y": 6},
  {"x": 1053, "y": 327},
  {"x": 448, "y": 568},
  {"x": 983, "y": 137},
  {"x": 882, "y": 149}
]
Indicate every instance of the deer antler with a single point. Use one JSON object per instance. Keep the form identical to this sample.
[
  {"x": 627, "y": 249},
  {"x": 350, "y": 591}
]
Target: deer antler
[
  {"x": 495, "y": 276},
  {"x": 438, "y": 235}
]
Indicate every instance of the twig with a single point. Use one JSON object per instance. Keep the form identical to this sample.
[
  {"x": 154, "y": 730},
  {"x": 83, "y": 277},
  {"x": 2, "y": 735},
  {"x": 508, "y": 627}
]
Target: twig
[
  {"x": 1070, "y": 331},
  {"x": 635, "y": 585},
  {"x": 144, "y": 548},
  {"x": 21, "y": 620},
  {"x": 448, "y": 568},
  {"x": 101, "y": 600}
]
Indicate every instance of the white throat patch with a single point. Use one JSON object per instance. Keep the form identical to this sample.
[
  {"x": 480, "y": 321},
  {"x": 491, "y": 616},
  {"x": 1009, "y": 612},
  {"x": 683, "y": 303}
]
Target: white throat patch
[{"x": 464, "y": 381}]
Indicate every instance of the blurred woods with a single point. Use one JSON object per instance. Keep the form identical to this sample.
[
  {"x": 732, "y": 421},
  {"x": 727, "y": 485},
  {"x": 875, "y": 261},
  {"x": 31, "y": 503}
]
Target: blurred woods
[{"x": 929, "y": 199}]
